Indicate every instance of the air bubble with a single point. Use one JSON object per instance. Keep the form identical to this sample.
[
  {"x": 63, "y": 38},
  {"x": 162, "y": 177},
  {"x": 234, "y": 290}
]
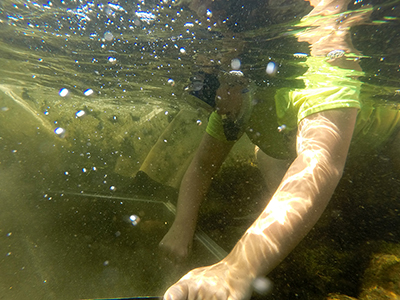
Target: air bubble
[
  {"x": 80, "y": 113},
  {"x": 108, "y": 36},
  {"x": 63, "y": 92},
  {"x": 281, "y": 128},
  {"x": 88, "y": 92},
  {"x": 271, "y": 68},
  {"x": 262, "y": 285},
  {"x": 60, "y": 132},
  {"x": 300, "y": 55},
  {"x": 235, "y": 64},
  {"x": 171, "y": 82}
]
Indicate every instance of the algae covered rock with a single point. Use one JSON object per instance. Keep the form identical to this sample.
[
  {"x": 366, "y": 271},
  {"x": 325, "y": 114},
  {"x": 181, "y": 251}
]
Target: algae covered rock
[{"x": 382, "y": 278}]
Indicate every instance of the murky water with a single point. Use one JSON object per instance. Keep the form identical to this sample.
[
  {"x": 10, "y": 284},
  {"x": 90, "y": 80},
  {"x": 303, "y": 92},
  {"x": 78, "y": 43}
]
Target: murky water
[{"x": 88, "y": 88}]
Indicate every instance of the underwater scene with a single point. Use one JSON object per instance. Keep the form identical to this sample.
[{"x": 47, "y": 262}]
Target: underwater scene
[{"x": 256, "y": 140}]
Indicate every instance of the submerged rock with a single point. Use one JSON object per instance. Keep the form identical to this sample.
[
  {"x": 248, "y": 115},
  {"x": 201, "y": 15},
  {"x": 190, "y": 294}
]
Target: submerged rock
[{"x": 382, "y": 278}]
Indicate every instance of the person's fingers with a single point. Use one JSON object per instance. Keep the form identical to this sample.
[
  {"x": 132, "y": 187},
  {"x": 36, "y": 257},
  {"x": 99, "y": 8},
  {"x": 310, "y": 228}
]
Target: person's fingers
[{"x": 176, "y": 292}]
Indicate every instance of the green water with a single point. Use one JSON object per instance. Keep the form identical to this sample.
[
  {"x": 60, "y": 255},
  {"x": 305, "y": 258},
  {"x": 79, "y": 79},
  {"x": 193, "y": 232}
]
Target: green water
[{"x": 58, "y": 243}]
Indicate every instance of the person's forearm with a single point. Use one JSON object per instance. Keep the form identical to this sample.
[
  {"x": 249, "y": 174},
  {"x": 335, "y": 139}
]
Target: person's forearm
[
  {"x": 196, "y": 182},
  {"x": 194, "y": 187},
  {"x": 293, "y": 210},
  {"x": 301, "y": 197}
]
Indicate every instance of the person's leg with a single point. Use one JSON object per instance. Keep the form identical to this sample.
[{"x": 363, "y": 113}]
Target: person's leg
[{"x": 272, "y": 169}]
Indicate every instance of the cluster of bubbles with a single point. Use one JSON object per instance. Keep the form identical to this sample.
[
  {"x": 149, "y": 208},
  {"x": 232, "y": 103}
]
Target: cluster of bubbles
[
  {"x": 140, "y": 25},
  {"x": 134, "y": 219},
  {"x": 64, "y": 92}
]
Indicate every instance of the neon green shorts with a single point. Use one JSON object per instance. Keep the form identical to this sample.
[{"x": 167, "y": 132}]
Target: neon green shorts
[{"x": 326, "y": 87}]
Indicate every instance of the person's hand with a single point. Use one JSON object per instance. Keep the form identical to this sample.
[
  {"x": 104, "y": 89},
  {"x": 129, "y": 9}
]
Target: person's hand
[
  {"x": 177, "y": 243},
  {"x": 219, "y": 281}
]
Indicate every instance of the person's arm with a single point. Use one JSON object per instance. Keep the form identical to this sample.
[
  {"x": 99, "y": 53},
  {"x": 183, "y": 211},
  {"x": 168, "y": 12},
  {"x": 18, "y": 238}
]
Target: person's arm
[
  {"x": 194, "y": 187},
  {"x": 322, "y": 144}
]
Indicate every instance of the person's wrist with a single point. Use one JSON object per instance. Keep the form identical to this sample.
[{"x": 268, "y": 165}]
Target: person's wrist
[
  {"x": 184, "y": 226},
  {"x": 239, "y": 267}
]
